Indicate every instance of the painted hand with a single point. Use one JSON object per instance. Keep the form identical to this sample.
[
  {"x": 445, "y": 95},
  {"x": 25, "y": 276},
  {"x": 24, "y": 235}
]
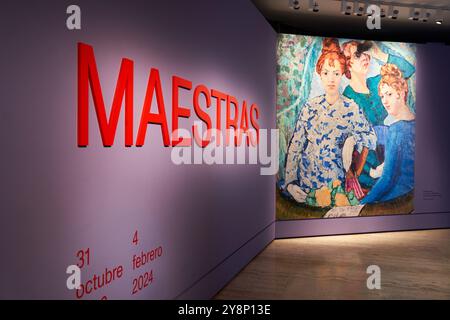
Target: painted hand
[
  {"x": 377, "y": 53},
  {"x": 298, "y": 194},
  {"x": 349, "y": 175},
  {"x": 376, "y": 173}
]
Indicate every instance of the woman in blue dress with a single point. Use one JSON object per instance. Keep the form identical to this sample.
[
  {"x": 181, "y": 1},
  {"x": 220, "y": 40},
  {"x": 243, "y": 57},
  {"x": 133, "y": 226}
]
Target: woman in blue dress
[
  {"x": 364, "y": 91},
  {"x": 397, "y": 177},
  {"x": 314, "y": 156}
]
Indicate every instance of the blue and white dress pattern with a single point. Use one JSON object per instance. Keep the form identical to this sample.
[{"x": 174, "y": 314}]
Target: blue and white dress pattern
[{"x": 314, "y": 156}]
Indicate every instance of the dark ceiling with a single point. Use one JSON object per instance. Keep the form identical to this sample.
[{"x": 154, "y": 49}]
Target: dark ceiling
[{"x": 329, "y": 21}]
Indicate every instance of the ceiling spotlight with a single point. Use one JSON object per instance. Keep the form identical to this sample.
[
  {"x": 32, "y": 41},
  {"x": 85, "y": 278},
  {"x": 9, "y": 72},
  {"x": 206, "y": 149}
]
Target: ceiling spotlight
[
  {"x": 313, "y": 6},
  {"x": 439, "y": 18},
  {"x": 425, "y": 15},
  {"x": 343, "y": 6},
  {"x": 359, "y": 9},
  {"x": 392, "y": 12},
  {"x": 346, "y": 8},
  {"x": 294, "y": 4},
  {"x": 414, "y": 14}
]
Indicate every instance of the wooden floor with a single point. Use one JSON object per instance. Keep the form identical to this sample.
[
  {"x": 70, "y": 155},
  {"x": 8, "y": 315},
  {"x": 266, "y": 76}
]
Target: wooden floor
[{"x": 414, "y": 265}]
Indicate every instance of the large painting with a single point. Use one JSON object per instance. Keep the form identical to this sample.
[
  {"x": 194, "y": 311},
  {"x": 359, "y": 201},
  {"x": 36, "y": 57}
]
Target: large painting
[{"x": 346, "y": 118}]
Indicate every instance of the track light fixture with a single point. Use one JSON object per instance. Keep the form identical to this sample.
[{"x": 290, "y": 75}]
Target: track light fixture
[
  {"x": 313, "y": 6},
  {"x": 391, "y": 9},
  {"x": 439, "y": 17},
  {"x": 414, "y": 14},
  {"x": 343, "y": 6},
  {"x": 294, "y": 4},
  {"x": 346, "y": 7},
  {"x": 393, "y": 12},
  {"x": 316, "y": 7},
  {"x": 425, "y": 15},
  {"x": 360, "y": 8}
]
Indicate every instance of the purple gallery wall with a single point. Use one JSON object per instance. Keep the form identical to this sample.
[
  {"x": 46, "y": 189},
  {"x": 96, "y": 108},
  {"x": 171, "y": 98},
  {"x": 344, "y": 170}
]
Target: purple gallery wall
[
  {"x": 57, "y": 198},
  {"x": 432, "y": 173},
  {"x": 210, "y": 220}
]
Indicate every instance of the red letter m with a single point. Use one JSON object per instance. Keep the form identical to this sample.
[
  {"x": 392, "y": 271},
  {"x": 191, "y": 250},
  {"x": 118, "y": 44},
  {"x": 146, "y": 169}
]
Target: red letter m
[{"x": 88, "y": 74}]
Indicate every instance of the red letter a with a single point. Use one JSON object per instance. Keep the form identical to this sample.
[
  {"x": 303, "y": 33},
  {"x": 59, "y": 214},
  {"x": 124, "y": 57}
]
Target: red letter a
[{"x": 154, "y": 84}]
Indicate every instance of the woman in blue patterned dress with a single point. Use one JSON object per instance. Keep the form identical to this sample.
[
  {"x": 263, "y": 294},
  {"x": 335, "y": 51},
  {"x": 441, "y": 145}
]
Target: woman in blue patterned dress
[{"x": 314, "y": 156}]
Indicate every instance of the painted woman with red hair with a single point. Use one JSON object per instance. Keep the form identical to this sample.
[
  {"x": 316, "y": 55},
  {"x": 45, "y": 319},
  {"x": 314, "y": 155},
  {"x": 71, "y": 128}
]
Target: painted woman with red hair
[
  {"x": 314, "y": 157},
  {"x": 364, "y": 91},
  {"x": 397, "y": 178}
]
